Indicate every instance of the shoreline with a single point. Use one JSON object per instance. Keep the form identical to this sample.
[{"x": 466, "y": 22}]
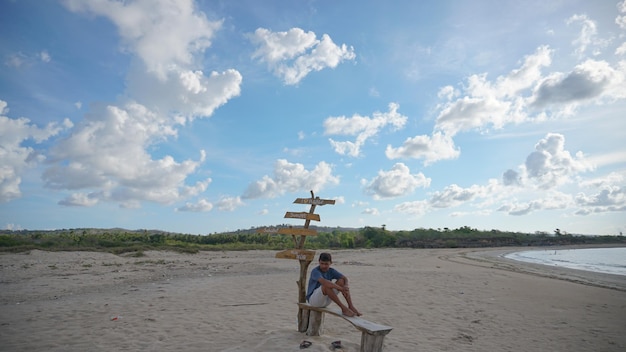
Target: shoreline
[
  {"x": 435, "y": 299},
  {"x": 498, "y": 260}
]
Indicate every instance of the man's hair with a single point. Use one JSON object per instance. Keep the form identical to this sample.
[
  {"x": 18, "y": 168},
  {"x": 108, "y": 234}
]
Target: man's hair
[{"x": 325, "y": 257}]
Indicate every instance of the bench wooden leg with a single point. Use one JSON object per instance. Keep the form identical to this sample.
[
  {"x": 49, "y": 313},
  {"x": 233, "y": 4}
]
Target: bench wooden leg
[
  {"x": 372, "y": 343},
  {"x": 316, "y": 323}
]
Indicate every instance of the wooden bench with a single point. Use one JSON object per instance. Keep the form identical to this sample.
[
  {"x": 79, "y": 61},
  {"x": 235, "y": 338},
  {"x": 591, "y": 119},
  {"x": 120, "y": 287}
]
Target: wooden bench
[{"x": 372, "y": 334}]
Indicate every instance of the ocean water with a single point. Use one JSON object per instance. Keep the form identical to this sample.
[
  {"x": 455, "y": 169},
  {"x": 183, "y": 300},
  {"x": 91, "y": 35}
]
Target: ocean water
[{"x": 603, "y": 260}]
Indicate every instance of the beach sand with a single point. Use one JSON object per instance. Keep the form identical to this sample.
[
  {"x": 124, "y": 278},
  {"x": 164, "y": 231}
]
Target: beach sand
[{"x": 436, "y": 300}]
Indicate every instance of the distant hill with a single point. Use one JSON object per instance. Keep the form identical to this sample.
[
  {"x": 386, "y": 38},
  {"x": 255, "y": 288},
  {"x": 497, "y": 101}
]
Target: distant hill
[
  {"x": 95, "y": 231},
  {"x": 319, "y": 229},
  {"x": 87, "y": 231}
]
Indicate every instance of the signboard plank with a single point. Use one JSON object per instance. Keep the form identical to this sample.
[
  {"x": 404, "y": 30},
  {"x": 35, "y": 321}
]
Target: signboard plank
[
  {"x": 302, "y": 215},
  {"x": 314, "y": 201},
  {"x": 300, "y": 254}
]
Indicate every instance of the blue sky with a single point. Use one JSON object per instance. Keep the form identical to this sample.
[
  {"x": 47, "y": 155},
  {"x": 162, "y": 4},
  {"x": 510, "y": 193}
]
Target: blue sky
[{"x": 211, "y": 116}]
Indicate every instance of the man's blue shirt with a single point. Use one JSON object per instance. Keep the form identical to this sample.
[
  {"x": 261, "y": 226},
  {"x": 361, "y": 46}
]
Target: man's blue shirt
[{"x": 316, "y": 273}]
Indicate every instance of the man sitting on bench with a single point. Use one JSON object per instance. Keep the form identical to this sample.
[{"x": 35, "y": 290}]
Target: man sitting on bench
[{"x": 322, "y": 290}]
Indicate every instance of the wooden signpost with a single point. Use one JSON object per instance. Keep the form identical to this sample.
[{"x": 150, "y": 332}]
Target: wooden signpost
[
  {"x": 372, "y": 334},
  {"x": 302, "y": 215},
  {"x": 300, "y": 254},
  {"x": 304, "y": 256}
]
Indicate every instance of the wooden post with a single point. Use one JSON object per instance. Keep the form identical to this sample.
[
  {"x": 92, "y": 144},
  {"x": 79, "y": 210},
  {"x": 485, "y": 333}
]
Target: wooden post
[
  {"x": 303, "y": 317},
  {"x": 305, "y": 257}
]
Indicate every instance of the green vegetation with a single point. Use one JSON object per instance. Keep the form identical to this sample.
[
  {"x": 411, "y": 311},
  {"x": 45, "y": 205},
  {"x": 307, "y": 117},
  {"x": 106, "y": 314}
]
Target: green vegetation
[{"x": 134, "y": 243}]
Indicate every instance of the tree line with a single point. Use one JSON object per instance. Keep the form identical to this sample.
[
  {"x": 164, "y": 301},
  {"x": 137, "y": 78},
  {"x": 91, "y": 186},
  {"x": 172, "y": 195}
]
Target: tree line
[{"x": 120, "y": 241}]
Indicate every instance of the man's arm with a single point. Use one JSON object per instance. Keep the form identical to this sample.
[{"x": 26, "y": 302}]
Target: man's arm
[{"x": 330, "y": 284}]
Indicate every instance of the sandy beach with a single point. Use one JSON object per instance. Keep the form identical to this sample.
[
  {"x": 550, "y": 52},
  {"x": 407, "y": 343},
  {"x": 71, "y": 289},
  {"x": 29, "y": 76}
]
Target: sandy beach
[{"x": 436, "y": 300}]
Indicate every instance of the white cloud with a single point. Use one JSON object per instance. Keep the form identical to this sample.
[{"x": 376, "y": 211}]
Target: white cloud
[
  {"x": 550, "y": 165},
  {"x": 496, "y": 103},
  {"x": 447, "y": 92},
  {"x": 292, "y": 55},
  {"x": 473, "y": 112},
  {"x": 44, "y": 56},
  {"x": 166, "y": 36},
  {"x": 607, "y": 199},
  {"x": 371, "y": 211},
  {"x": 431, "y": 149},
  {"x": 15, "y": 158},
  {"x": 363, "y": 127},
  {"x": 417, "y": 208},
  {"x": 184, "y": 93},
  {"x": 511, "y": 99},
  {"x": 545, "y": 169},
  {"x": 201, "y": 205},
  {"x": 19, "y": 59},
  {"x": 229, "y": 203},
  {"x": 606, "y": 181},
  {"x": 589, "y": 80},
  {"x": 480, "y": 104},
  {"x": 621, "y": 20},
  {"x": 80, "y": 200},
  {"x": 552, "y": 200},
  {"x": 621, "y": 50},
  {"x": 608, "y": 194},
  {"x": 279, "y": 46},
  {"x": 290, "y": 177},
  {"x": 106, "y": 153},
  {"x": 511, "y": 178},
  {"x": 15, "y": 60},
  {"x": 360, "y": 203},
  {"x": 587, "y": 35},
  {"x": 160, "y": 33},
  {"x": 396, "y": 182},
  {"x": 454, "y": 195}
]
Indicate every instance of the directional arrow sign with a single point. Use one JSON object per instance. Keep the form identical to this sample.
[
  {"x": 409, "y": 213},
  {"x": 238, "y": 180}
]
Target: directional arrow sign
[
  {"x": 302, "y": 215},
  {"x": 301, "y": 254},
  {"x": 297, "y": 231},
  {"x": 314, "y": 201}
]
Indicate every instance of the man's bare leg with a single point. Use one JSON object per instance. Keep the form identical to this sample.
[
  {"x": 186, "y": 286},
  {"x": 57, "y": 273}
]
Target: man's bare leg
[
  {"x": 348, "y": 298},
  {"x": 333, "y": 297}
]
